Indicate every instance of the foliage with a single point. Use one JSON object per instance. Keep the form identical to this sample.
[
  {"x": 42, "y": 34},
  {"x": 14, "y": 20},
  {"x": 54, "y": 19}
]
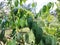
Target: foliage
[
  {"x": 45, "y": 27},
  {"x": 37, "y": 31}
]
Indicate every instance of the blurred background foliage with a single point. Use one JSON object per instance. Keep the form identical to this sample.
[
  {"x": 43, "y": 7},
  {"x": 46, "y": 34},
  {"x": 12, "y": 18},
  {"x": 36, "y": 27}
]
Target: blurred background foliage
[{"x": 21, "y": 25}]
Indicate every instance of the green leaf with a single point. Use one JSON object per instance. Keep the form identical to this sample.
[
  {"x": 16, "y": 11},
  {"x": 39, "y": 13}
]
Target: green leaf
[
  {"x": 27, "y": 37},
  {"x": 44, "y": 8},
  {"x": 16, "y": 3},
  {"x": 0, "y": 21},
  {"x": 11, "y": 42},
  {"x": 20, "y": 2},
  {"x": 34, "y": 4},
  {"x": 22, "y": 22},
  {"x": 49, "y": 5},
  {"x": 24, "y": 1},
  {"x": 54, "y": 40}
]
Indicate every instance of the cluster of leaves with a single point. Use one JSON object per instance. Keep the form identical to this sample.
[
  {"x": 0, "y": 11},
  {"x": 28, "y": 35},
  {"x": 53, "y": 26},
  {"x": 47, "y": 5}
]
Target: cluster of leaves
[
  {"x": 52, "y": 23},
  {"x": 41, "y": 24}
]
